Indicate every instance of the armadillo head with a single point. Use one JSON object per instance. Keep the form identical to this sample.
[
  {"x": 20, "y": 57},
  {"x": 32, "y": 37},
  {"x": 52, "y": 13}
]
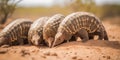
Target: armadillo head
[
  {"x": 59, "y": 38},
  {"x": 3, "y": 40},
  {"x": 36, "y": 39}
]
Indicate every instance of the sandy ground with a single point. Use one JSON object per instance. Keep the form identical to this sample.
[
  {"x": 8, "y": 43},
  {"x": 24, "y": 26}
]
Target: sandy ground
[{"x": 90, "y": 50}]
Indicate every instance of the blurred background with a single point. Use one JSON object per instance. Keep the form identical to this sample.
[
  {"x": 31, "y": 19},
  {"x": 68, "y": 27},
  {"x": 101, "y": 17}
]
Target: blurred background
[{"x": 34, "y": 9}]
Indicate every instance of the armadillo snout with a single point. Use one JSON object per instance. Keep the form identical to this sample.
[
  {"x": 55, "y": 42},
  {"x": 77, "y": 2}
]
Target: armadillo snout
[
  {"x": 2, "y": 40},
  {"x": 50, "y": 41},
  {"x": 35, "y": 39},
  {"x": 58, "y": 39}
]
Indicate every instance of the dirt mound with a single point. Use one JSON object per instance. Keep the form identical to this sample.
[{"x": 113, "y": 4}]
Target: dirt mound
[{"x": 93, "y": 49}]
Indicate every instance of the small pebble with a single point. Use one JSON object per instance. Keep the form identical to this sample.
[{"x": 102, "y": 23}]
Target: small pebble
[
  {"x": 3, "y": 51},
  {"x": 5, "y": 46},
  {"x": 43, "y": 56},
  {"x": 74, "y": 57},
  {"x": 54, "y": 54},
  {"x": 108, "y": 57},
  {"x": 47, "y": 53}
]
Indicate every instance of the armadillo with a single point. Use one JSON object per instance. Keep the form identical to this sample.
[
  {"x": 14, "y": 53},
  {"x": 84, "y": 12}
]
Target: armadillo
[
  {"x": 50, "y": 28},
  {"x": 80, "y": 24},
  {"x": 16, "y": 32},
  {"x": 35, "y": 34}
]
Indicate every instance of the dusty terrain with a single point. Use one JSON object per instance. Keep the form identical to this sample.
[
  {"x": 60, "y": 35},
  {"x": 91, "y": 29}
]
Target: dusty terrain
[{"x": 90, "y": 50}]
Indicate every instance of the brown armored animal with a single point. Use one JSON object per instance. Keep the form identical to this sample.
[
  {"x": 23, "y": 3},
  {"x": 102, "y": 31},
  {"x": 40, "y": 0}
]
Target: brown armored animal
[
  {"x": 50, "y": 28},
  {"x": 15, "y": 33},
  {"x": 80, "y": 24},
  {"x": 35, "y": 34}
]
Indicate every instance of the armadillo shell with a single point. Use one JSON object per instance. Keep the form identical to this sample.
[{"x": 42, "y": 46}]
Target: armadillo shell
[
  {"x": 37, "y": 27},
  {"x": 75, "y": 21},
  {"x": 17, "y": 29},
  {"x": 51, "y": 26}
]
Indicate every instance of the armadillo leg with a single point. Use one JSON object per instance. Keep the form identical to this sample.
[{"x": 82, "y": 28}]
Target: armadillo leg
[
  {"x": 21, "y": 41},
  {"x": 105, "y": 35},
  {"x": 91, "y": 36},
  {"x": 73, "y": 38},
  {"x": 29, "y": 42},
  {"x": 101, "y": 35},
  {"x": 83, "y": 34}
]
